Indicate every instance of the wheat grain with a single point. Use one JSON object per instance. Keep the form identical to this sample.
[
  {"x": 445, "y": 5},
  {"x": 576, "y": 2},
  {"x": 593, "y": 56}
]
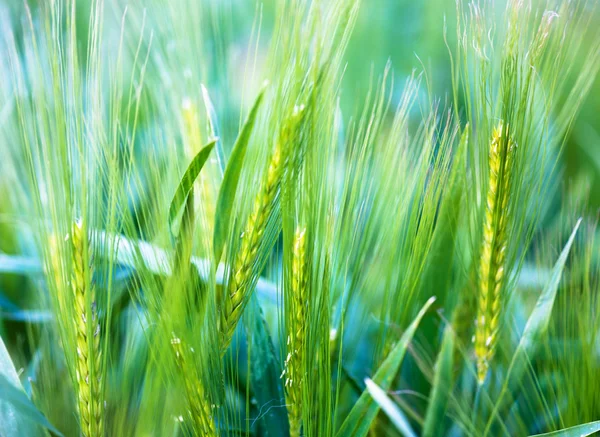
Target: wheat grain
[
  {"x": 294, "y": 363},
  {"x": 199, "y": 405},
  {"x": 250, "y": 240},
  {"x": 87, "y": 330},
  {"x": 237, "y": 291},
  {"x": 493, "y": 253}
]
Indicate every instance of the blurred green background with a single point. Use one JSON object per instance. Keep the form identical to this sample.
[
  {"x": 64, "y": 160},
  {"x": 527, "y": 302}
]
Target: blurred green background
[{"x": 410, "y": 34}]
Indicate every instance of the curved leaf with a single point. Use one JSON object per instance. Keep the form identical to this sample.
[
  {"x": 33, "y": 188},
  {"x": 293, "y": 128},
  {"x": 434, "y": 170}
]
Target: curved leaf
[
  {"x": 387, "y": 405},
  {"x": 440, "y": 390},
  {"x": 575, "y": 431},
  {"x": 363, "y": 413},
  {"x": 231, "y": 179},
  {"x": 18, "y": 415},
  {"x": 536, "y": 325},
  {"x": 186, "y": 184}
]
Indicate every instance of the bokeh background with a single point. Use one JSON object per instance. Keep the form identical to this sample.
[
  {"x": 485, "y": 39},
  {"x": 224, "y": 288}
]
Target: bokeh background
[{"x": 216, "y": 41}]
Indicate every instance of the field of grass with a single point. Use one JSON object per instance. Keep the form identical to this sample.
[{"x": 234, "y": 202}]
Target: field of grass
[{"x": 299, "y": 217}]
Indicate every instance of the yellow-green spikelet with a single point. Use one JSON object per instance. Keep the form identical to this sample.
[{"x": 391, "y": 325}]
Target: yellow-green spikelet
[
  {"x": 235, "y": 298},
  {"x": 294, "y": 362},
  {"x": 199, "y": 405},
  {"x": 493, "y": 252},
  {"x": 87, "y": 330}
]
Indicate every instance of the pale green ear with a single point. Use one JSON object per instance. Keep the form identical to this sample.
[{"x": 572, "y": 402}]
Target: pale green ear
[{"x": 18, "y": 416}]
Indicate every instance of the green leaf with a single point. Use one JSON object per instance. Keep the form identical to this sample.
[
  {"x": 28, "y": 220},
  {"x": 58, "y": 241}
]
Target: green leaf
[
  {"x": 387, "y": 405},
  {"x": 18, "y": 415},
  {"x": 265, "y": 370},
  {"x": 363, "y": 413},
  {"x": 186, "y": 184},
  {"x": 574, "y": 431},
  {"x": 231, "y": 179},
  {"x": 440, "y": 390},
  {"x": 213, "y": 126},
  {"x": 536, "y": 325}
]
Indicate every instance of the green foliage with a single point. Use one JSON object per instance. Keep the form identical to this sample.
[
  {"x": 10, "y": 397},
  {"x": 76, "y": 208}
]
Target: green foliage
[{"x": 178, "y": 263}]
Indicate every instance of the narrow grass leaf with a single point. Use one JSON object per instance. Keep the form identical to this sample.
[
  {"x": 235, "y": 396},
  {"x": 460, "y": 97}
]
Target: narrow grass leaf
[
  {"x": 574, "y": 431},
  {"x": 231, "y": 179},
  {"x": 536, "y": 325},
  {"x": 15, "y": 405},
  {"x": 389, "y": 408},
  {"x": 186, "y": 184},
  {"x": 264, "y": 371},
  {"x": 442, "y": 381},
  {"x": 363, "y": 413}
]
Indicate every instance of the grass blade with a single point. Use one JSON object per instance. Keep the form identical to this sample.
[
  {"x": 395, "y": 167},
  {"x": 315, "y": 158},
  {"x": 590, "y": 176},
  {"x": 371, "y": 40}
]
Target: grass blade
[
  {"x": 15, "y": 405},
  {"x": 393, "y": 412},
  {"x": 440, "y": 390},
  {"x": 363, "y": 413},
  {"x": 186, "y": 184},
  {"x": 231, "y": 178},
  {"x": 536, "y": 325},
  {"x": 574, "y": 431}
]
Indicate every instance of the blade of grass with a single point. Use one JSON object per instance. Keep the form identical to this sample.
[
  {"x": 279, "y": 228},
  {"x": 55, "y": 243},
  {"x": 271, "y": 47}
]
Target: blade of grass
[
  {"x": 574, "y": 431},
  {"x": 389, "y": 408},
  {"x": 536, "y": 325},
  {"x": 14, "y": 403},
  {"x": 231, "y": 178},
  {"x": 440, "y": 390},
  {"x": 186, "y": 184},
  {"x": 363, "y": 413}
]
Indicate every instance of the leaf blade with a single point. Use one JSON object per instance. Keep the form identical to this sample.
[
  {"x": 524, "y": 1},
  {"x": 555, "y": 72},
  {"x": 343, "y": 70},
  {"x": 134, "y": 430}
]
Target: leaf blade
[
  {"x": 536, "y": 324},
  {"x": 14, "y": 403},
  {"x": 574, "y": 431},
  {"x": 231, "y": 178},
  {"x": 389, "y": 408},
  {"x": 441, "y": 387},
  {"x": 187, "y": 182},
  {"x": 363, "y": 413}
]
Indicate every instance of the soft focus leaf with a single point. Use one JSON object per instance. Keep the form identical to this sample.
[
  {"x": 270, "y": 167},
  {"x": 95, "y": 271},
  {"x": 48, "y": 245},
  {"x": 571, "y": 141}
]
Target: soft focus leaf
[
  {"x": 365, "y": 410},
  {"x": 18, "y": 415},
  {"x": 440, "y": 390},
  {"x": 231, "y": 178},
  {"x": 186, "y": 184},
  {"x": 536, "y": 325},
  {"x": 388, "y": 406},
  {"x": 574, "y": 431}
]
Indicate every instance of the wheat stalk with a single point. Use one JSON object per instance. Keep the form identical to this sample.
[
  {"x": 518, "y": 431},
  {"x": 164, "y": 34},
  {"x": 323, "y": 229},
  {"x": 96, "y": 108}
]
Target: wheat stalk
[
  {"x": 87, "y": 330},
  {"x": 200, "y": 412},
  {"x": 493, "y": 253},
  {"x": 293, "y": 364}
]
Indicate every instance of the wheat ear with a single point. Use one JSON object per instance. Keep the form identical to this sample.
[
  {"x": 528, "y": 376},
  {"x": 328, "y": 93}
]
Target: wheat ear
[
  {"x": 493, "y": 253},
  {"x": 200, "y": 413},
  {"x": 293, "y": 365},
  {"x": 87, "y": 329},
  {"x": 237, "y": 289}
]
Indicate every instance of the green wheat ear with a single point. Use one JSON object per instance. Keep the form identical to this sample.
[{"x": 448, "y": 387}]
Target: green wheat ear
[
  {"x": 199, "y": 413},
  {"x": 237, "y": 291},
  {"x": 294, "y": 362},
  {"x": 87, "y": 328},
  {"x": 250, "y": 241},
  {"x": 493, "y": 252}
]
